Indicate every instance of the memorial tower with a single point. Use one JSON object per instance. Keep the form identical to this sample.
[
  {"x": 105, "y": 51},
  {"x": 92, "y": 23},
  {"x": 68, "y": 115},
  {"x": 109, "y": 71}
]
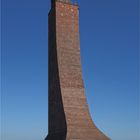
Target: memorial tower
[{"x": 69, "y": 117}]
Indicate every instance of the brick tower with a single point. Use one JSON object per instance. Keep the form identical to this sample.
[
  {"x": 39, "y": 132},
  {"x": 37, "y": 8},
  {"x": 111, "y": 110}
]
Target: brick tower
[{"x": 69, "y": 117}]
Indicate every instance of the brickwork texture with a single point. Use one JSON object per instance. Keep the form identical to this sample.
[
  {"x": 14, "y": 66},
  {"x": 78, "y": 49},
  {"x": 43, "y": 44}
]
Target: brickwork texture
[{"x": 69, "y": 117}]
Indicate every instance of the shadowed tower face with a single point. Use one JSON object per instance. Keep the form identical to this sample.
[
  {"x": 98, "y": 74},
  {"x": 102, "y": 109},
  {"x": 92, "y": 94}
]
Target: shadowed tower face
[{"x": 69, "y": 117}]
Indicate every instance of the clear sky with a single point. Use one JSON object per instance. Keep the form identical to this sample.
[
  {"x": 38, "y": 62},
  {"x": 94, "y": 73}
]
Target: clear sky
[{"x": 109, "y": 52}]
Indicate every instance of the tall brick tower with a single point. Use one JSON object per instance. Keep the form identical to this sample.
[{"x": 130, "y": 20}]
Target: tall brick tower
[{"x": 69, "y": 117}]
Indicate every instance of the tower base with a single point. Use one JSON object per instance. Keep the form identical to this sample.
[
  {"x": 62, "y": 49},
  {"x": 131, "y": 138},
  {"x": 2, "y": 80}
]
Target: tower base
[
  {"x": 88, "y": 134},
  {"x": 56, "y": 136}
]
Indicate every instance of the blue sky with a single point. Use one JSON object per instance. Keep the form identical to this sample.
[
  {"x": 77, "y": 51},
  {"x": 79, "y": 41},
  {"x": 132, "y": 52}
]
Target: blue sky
[{"x": 109, "y": 55}]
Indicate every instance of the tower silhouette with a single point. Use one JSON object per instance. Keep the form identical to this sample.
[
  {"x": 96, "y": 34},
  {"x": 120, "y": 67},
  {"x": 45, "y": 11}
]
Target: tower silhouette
[{"x": 69, "y": 117}]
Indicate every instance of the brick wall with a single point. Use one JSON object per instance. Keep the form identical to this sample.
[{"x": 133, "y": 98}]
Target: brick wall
[{"x": 69, "y": 117}]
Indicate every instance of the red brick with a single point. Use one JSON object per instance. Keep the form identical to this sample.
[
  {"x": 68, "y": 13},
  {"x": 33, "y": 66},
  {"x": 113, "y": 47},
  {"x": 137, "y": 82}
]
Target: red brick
[{"x": 69, "y": 117}]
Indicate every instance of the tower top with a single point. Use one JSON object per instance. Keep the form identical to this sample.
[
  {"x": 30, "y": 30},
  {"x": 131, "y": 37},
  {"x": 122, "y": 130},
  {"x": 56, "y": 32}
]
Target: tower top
[{"x": 65, "y": 1}]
